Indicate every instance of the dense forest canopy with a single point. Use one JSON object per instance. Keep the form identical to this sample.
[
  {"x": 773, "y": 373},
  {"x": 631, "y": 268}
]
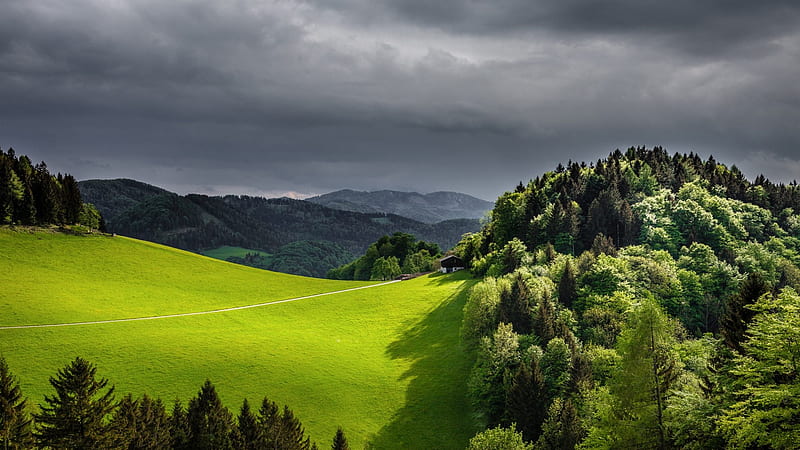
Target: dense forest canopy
[
  {"x": 30, "y": 195},
  {"x": 389, "y": 257},
  {"x": 646, "y": 300}
]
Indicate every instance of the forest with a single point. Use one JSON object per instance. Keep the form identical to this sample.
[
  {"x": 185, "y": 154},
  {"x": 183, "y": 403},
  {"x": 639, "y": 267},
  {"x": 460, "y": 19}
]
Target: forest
[
  {"x": 30, "y": 195},
  {"x": 389, "y": 257},
  {"x": 83, "y": 413},
  {"x": 645, "y": 300}
]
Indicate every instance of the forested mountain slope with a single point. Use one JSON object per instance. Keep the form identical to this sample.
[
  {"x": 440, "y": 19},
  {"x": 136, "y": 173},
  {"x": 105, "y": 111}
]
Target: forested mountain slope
[
  {"x": 428, "y": 208},
  {"x": 195, "y": 222},
  {"x": 645, "y": 300}
]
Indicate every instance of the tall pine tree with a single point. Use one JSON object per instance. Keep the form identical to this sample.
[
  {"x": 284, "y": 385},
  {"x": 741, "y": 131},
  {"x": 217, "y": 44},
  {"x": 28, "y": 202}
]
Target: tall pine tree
[
  {"x": 210, "y": 423},
  {"x": 15, "y": 425},
  {"x": 567, "y": 286},
  {"x": 75, "y": 417},
  {"x": 140, "y": 424},
  {"x": 526, "y": 399},
  {"x": 340, "y": 441},
  {"x": 248, "y": 432},
  {"x": 737, "y": 315}
]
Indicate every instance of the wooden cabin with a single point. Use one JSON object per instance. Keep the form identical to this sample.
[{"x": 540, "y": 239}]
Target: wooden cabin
[{"x": 451, "y": 263}]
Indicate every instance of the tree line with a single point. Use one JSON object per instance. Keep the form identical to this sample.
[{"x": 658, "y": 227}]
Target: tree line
[
  {"x": 83, "y": 413},
  {"x": 674, "y": 326},
  {"x": 30, "y": 195},
  {"x": 389, "y": 257}
]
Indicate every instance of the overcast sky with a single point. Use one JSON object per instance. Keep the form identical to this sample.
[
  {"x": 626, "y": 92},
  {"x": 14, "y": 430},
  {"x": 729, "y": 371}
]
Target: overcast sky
[{"x": 270, "y": 97}]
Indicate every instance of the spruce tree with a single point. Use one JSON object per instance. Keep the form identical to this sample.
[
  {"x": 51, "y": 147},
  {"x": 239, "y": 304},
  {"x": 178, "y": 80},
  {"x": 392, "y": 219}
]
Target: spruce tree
[
  {"x": 291, "y": 435},
  {"x": 248, "y": 431},
  {"x": 514, "y": 307},
  {"x": 567, "y": 286},
  {"x": 269, "y": 417},
  {"x": 210, "y": 423},
  {"x": 75, "y": 416},
  {"x": 71, "y": 199},
  {"x": 737, "y": 315},
  {"x": 24, "y": 209},
  {"x": 15, "y": 425},
  {"x": 179, "y": 427},
  {"x": 544, "y": 321},
  {"x": 562, "y": 430},
  {"x": 340, "y": 441},
  {"x": 140, "y": 424},
  {"x": 526, "y": 399}
]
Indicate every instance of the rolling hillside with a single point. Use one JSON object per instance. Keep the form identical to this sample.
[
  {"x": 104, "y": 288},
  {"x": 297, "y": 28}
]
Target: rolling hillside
[
  {"x": 428, "y": 208},
  {"x": 384, "y": 363},
  {"x": 198, "y": 222}
]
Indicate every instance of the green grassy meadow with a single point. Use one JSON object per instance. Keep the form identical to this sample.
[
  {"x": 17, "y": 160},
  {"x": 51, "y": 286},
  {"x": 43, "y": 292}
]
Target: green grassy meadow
[
  {"x": 384, "y": 363},
  {"x": 227, "y": 251}
]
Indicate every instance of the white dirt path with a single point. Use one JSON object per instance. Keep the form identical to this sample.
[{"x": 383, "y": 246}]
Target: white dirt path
[{"x": 198, "y": 313}]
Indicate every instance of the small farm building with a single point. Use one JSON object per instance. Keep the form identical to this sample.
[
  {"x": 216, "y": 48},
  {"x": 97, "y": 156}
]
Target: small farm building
[{"x": 451, "y": 263}]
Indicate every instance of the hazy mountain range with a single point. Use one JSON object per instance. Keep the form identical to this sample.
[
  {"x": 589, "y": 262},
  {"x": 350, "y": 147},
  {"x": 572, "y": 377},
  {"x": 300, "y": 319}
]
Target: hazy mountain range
[
  {"x": 198, "y": 222},
  {"x": 428, "y": 208}
]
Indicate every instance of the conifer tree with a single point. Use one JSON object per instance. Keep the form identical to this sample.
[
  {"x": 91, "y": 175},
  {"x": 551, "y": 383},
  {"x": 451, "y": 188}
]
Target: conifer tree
[
  {"x": 46, "y": 196},
  {"x": 179, "y": 427},
  {"x": 269, "y": 417},
  {"x": 24, "y": 208},
  {"x": 526, "y": 399},
  {"x": 737, "y": 315},
  {"x": 210, "y": 423},
  {"x": 514, "y": 307},
  {"x": 248, "y": 431},
  {"x": 292, "y": 434},
  {"x": 562, "y": 430},
  {"x": 71, "y": 199},
  {"x": 340, "y": 441},
  {"x": 567, "y": 286},
  {"x": 75, "y": 416},
  {"x": 544, "y": 321},
  {"x": 15, "y": 425},
  {"x": 140, "y": 424},
  {"x": 9, "y": 183}
]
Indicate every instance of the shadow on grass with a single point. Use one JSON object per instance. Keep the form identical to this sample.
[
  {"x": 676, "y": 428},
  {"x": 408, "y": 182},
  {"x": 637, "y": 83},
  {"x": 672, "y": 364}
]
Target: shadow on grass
[{"x": 436, "y": 413}]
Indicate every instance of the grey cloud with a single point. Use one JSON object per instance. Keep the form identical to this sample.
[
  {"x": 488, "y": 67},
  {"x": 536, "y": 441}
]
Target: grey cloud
[
  {"x": 265, "y": 95},
  {"x": 710, "y": 26}
]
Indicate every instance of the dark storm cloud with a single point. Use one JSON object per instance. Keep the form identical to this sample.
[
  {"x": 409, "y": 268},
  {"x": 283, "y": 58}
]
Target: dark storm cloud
[
  {"x": 702, "y": 26},
  {"x": 266, "y": 97}
]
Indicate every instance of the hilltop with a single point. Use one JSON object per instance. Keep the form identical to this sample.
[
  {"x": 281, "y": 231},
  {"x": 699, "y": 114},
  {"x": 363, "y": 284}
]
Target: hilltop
[
  {"x": 645, "y": 300},
  {"x": 427, "y": 208}
]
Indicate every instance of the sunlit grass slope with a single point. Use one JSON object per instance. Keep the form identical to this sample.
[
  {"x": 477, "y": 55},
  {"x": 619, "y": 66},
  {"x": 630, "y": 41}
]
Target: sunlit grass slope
[
  {"x": 51, "y": 277},
  {"x": 383, "y": 363}
]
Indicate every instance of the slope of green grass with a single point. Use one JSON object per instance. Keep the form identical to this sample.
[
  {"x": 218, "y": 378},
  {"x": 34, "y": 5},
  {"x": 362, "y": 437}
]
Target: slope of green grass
[
  {"x": 227, "y": 251},
  {"x": 51, "y": 277},
  {"x": 384, "y": 363}
]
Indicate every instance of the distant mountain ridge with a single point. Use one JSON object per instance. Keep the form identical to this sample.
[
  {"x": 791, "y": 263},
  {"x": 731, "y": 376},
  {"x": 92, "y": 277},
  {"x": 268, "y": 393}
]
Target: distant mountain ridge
[
  {"x": 197, "y": 222},
  {"x": 427, "y": 208}
]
